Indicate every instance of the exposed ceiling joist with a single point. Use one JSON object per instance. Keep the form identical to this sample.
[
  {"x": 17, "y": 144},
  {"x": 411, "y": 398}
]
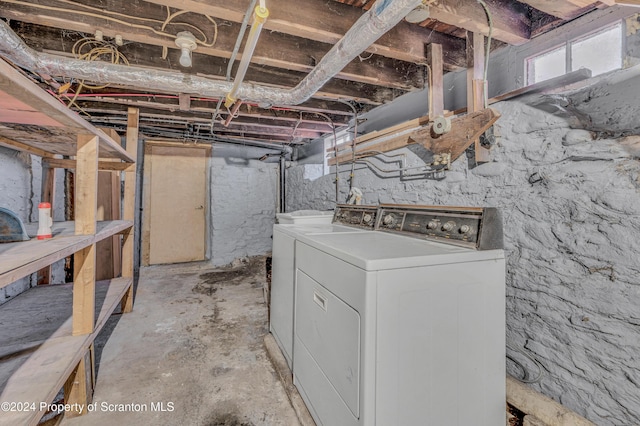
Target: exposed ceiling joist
[
  {"x": 560, "y": 9},
  {"x": 297, "y": 34},
  {"x": 313, "y": 20},
  {"x": 510, "y": 18},
  {"x": 273, "y": 50}
]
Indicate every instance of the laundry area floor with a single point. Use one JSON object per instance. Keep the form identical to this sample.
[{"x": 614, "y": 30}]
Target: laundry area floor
[{"x": 190, "y": 353}]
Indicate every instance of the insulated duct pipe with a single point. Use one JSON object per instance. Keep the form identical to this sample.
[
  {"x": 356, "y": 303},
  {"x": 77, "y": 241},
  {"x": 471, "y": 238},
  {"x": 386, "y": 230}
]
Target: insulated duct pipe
[{"x": 382, "y": 16}]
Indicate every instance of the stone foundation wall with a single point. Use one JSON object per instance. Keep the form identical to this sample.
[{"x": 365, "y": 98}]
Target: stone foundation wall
[{"x": 243, "y": 208}]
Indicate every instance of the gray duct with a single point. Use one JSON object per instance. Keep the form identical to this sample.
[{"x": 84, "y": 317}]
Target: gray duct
[{"x": 383, "y": 16}]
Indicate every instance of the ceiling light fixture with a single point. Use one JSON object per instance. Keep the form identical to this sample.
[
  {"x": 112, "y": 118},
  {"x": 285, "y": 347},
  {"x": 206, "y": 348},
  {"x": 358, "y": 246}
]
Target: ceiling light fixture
[
  {"x": 418, "y": 14},
  {"x": 187, "y": 43}
]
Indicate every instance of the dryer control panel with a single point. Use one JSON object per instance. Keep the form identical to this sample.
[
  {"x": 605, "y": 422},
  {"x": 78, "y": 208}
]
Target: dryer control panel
[
  {"x": 479, "y": 228},
  {"x": 355, "y": 215}
]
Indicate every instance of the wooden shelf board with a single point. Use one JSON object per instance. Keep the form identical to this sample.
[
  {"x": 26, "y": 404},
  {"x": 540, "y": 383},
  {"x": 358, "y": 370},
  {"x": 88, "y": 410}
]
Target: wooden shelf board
[
  {"x": 38, "y": 376},
  {"x": 30, "y": 116},
  {"x": 20, "y": 259}
]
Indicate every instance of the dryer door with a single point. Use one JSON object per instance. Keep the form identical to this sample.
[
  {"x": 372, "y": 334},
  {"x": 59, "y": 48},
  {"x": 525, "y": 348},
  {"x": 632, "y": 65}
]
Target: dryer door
[{"x": 329, "y": 330}]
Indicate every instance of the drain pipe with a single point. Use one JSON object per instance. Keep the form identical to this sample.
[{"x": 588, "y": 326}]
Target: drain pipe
[
  {"x": 382, "y": 16},
  {"x": 283, "y": 181}
]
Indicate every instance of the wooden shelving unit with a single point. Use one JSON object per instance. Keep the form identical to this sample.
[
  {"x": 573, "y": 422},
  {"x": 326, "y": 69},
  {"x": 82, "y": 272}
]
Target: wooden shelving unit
[{"x": 47, "y": 333}]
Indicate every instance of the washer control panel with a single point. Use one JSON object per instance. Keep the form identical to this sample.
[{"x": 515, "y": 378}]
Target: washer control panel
[
  {"x": 354, "y": 215},
  {"x": 479, "y": 228}
]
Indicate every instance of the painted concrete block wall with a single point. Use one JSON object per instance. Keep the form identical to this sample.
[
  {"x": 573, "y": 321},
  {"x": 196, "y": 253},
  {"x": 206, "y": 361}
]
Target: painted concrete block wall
[
  {"x": 243, "y": 208},
  {"x": 20, "y": 188},
  {"x": 571, "y": 209}
]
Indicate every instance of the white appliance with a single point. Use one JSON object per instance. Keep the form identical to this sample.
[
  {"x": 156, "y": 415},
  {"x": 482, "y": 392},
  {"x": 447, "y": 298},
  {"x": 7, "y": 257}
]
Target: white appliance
[
  {"x": 358, "y": 218},
  {"x": 305, "y": 217},
  {"x": 403, "y": 330}
]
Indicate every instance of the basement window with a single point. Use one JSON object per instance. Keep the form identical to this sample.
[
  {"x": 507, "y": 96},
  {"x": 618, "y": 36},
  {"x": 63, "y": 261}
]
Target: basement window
[
  {"x": 600, "y": 52},
  {"x": 547, "y": 65},
  {"x": 342, "y": 137}
]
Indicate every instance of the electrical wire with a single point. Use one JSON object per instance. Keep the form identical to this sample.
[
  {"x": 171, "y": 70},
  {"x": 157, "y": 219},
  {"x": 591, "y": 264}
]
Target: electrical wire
[
  {"x": 352, "y": 175},
  {"x": 487, "y": 50},
  {"x": 171, "y": 16},
  {"x": 96, "y": 50},
  {"x": 523, "y": 368},
  {"x": 203, "y": 42}
]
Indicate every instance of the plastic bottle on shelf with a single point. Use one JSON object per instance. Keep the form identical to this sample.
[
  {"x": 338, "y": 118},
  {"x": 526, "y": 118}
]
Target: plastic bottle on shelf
[{"x": 44, "y": 221}]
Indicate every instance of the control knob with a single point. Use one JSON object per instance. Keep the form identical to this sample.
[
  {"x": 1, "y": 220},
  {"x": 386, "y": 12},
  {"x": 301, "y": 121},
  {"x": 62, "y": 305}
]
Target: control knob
[
  {"x": 464, "y": 229},
  {"x": 389, "y": 220},
  {"x": 367, "y": 218},
  {"x": 448, "y": 227},
  {"x": 432, "y": 225}
]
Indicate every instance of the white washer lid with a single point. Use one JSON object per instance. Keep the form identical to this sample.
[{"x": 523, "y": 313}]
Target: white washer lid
[
  {"x": 373, "y": 251},
  {"x": 314, "y": 228}
]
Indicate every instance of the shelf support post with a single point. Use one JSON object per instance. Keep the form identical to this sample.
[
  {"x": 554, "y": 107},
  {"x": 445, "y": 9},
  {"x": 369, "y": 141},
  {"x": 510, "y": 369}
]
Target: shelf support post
[
  {"x": 47, "y": 196},
  {"x": 128, "y": 247},
  {"x": 84, "y": 261}
]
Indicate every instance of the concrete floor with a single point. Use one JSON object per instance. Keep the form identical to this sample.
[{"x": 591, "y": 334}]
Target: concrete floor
[{"x": 194, "y": 342}]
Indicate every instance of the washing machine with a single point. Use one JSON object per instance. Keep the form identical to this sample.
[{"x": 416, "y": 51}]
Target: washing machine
[
  {"x": 346, "y": 219},
  {"x": 404, "y": 325}
]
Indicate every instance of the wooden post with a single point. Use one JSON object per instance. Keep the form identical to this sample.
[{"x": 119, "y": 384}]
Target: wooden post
[
  {"x": 47, "y": 196},
  {"x": 86, "y": 187},
  {"x": 78, "y": 388},
  {"x": 435, "y": 59},
  {"x": 129, "y": 207},
  {"x": 476, "y": 84}
]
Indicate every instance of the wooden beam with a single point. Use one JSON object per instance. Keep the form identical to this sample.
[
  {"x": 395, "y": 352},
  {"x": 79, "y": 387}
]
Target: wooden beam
[
  {"x": 274, "y": 49},
  {"x": 43, "y": 110},
  {"x": 207, "y": 108},
  {"x": 436, "y": 87},
  {"x": 463, "y": 132},
  {"x": 382, "y": 83},
  {"x": 19, "y": 146},
  {"x": 130, "y": 178},
  {"x": 60, "y": 163},
  {"x": 184, "y": 101},
  {"x": 561, "y": 9},
  {"x": 378, "y": 134},
  {"x": 476, "y": 85},
  {"x": 324, "y": 22},
  {"x": 510, "y": 19},
  {"x": 47, "y": 195},
  {"x": 77, "y": 389},
  {"x": 547, "y": 86},
  {"x": 86, "y": 187}
]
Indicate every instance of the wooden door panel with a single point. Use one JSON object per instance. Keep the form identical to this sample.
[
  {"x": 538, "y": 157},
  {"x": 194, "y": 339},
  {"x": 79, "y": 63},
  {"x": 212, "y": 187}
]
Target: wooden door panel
[{"x": 176, "y": 204}]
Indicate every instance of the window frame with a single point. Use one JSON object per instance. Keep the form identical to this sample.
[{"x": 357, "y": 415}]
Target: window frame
[{"x": 529, "y": 76}]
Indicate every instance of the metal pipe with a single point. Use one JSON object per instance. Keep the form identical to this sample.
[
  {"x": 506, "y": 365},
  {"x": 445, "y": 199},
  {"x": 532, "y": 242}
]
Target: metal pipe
[
  {"x": 234, "y": 53},
  {"x": 283, "y": 181},
  {"x": 382, "y": 16},
  {"x": 260, "y": 15}
]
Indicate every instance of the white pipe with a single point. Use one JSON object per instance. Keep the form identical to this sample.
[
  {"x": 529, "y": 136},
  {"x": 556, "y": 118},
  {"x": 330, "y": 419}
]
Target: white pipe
[
  {"x": 382, "y": 16},
  {"x": 260, "y": 15}
]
